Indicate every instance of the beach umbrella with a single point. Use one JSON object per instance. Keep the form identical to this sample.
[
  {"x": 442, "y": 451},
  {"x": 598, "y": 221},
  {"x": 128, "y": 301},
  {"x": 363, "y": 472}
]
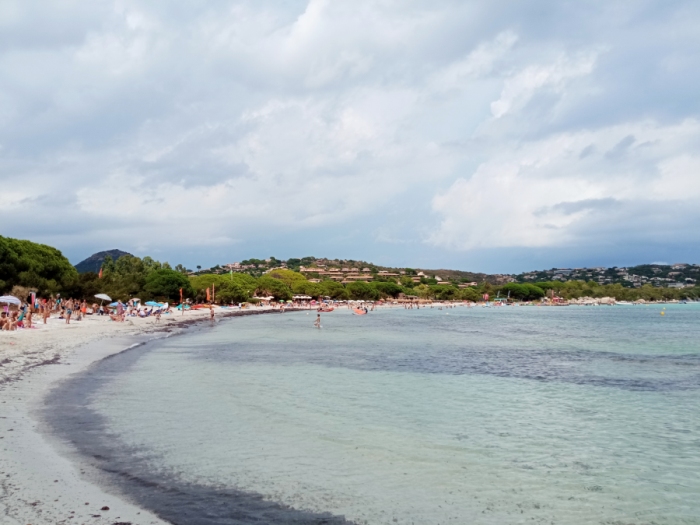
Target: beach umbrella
[
  {"x": 152, "y": 303},
  {"x": 103, "y": 297},
  {"x": 10, "y": 299},
  {"x": 115, "y": 304}
]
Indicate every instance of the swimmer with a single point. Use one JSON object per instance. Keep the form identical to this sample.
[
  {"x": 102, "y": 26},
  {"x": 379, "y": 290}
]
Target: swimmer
[{"x": 317, "y": 322}]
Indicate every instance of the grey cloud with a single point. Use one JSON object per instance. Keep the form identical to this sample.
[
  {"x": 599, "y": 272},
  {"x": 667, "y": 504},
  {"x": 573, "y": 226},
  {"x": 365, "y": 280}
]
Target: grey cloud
[
  {"x": 585, "y": 152},
  {"x": 569, "y": 208},
  {"x": 621, "y": 147}
]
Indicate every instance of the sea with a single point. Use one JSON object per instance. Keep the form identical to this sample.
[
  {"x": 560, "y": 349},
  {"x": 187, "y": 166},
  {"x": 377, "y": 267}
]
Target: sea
[{"x": 502, "y": 415}]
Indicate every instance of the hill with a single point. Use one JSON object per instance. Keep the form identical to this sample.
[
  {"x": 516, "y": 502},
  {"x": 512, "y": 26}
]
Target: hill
[
  {"x": 258, "y": 267},
  {"x": 463, "y": 276},
  {"x": 94, "y": 262}
]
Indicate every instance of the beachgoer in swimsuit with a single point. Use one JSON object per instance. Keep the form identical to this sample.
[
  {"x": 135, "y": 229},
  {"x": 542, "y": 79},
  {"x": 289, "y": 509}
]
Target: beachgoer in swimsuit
[{"x": 317, "y": 323}]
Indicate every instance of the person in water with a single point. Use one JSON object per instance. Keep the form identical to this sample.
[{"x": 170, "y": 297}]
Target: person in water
[{"x": 317, "y": 323}]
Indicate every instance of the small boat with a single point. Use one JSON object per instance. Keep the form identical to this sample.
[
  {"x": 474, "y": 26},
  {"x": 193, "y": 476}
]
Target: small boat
[
  {"x": 359, "y": 311},
  {"x": 325, "y": 309}
]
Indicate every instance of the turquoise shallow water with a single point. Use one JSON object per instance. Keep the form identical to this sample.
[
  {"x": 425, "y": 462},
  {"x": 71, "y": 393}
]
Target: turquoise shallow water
[{"x": 502, "y": 415}]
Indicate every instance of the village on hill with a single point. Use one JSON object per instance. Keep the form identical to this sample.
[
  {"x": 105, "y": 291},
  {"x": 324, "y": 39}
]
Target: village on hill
[
  {"x": 348, "y": 271},
  {"x": 678, "y": 275}
]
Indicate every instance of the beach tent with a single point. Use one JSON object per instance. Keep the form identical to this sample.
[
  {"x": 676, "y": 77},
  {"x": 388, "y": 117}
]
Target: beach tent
[{"x": 10, "y": 299}]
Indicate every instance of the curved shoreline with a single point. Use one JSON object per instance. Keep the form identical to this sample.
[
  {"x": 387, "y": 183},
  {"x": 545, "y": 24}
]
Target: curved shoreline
[{"x": 40, "y": 483}]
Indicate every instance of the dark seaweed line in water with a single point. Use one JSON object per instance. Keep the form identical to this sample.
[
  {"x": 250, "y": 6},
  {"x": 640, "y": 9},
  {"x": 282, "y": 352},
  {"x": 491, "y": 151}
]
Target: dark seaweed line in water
[
  {"x": 190, "y": 504},
  {"x": 544, "y": 364}
]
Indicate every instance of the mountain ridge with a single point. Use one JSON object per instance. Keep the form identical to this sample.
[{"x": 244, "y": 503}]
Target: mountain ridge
[{"x": 94, "y": 262}]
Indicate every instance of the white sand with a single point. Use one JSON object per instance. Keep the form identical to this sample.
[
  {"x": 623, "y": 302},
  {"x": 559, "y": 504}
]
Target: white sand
[{"x": 39, "y": 484}]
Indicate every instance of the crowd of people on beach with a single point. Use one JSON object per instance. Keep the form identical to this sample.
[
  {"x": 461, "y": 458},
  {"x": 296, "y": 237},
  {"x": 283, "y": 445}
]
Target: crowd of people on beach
[
  {"x": 72, "y": 309},
  {"x": 134, "y": 309},
  {"x": 24, "y": 314}
]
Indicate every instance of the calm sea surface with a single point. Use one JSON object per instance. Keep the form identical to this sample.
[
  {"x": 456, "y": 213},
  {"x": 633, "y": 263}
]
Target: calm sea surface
[{"x": 484, "y": 415}]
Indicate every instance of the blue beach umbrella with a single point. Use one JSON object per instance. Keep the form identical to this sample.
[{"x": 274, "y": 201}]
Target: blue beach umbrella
[{"x": 152, "y": 303}]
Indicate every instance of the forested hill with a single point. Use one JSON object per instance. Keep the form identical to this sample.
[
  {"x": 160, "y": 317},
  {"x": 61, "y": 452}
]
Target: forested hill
[{"x": 94, "y": 262}]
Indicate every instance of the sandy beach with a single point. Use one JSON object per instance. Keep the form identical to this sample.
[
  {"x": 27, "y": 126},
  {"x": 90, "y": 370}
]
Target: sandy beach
[{"x": 41, "y": 480}]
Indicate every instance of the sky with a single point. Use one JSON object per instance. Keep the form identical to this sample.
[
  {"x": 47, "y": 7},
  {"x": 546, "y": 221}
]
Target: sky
[{"x": 493, "y": 136}]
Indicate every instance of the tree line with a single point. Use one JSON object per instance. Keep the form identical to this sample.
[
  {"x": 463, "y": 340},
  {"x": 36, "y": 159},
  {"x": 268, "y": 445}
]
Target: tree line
[{"x": 25, "y": 266}]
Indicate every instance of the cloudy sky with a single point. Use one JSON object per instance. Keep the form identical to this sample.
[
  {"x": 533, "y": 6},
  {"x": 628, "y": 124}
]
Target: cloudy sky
[{"x": 496, "y": 136}]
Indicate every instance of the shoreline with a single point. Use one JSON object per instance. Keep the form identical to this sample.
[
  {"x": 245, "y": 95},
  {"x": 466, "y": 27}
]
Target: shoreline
[{"x": 41, "y": 482}]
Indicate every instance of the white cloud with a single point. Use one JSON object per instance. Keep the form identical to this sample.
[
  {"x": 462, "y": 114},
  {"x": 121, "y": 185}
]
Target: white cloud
[
  {"x": 542, "y": 193},
  {"x": 479, "y": 62},
  {"x": 519, "y": 88}
]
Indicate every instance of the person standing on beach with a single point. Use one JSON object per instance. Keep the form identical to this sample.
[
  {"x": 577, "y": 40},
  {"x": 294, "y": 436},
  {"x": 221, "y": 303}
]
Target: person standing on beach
[
  {"x": 30, "y": 311},
  {"x": 46, "y": 307},
  {"x": 69, "y": 310}
]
